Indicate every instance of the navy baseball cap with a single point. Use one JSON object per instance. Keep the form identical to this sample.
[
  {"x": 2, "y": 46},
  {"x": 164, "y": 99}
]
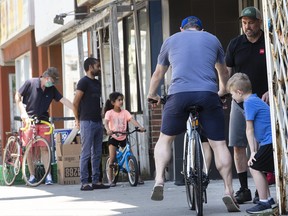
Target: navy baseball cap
[{"x": 193, "y": 20}]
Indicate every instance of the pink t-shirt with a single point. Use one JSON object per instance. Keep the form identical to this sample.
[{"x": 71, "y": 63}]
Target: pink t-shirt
[{"x": 118, "y": 122}]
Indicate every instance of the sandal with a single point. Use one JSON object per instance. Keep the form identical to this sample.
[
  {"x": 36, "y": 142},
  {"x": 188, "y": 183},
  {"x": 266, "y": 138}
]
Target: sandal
[{"x": 157, "y": 193}]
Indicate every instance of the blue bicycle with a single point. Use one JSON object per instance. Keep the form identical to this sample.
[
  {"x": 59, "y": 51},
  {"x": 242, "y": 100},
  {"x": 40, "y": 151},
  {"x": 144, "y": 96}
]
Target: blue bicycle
[{"x": 125, "y": 161}]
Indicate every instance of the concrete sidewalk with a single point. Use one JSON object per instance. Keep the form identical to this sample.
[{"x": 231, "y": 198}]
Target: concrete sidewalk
[{"x": 68, "y": 200}]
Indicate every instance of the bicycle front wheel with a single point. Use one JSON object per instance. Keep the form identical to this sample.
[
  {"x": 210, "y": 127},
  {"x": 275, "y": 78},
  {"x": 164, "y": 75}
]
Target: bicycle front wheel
[
  {"x": 187, "y": 171},
  {"x": 36, "y": 161},
  {"x": 133, "y": 171},
  {"x": 198, "y": 175},
  {"x": 112, "y": 175},
  {"x": 11, "y": 161}
]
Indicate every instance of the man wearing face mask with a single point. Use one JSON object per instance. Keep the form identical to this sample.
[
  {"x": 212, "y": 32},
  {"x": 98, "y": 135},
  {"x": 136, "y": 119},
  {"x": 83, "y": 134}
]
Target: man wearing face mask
[
  {"x": 87, "y": 112},
  {"x": 33, "y": 99}
]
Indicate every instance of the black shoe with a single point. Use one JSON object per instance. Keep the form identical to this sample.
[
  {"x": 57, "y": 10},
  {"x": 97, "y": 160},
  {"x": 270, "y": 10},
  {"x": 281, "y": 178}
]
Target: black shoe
[
  {"x": 256, "y": 198},
  {"x": 86, "y": 188},
  {"x": 243, "y": 195},
  {"x": 100, "y": 186}
]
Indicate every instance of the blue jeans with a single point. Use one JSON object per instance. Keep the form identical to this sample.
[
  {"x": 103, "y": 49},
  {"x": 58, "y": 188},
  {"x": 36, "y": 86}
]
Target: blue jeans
[{"x": 91, "y": 138}]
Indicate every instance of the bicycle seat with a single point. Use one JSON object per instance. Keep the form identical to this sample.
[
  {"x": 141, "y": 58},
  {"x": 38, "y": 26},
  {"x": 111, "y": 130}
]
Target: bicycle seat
[{"x": 194, "y": 109}]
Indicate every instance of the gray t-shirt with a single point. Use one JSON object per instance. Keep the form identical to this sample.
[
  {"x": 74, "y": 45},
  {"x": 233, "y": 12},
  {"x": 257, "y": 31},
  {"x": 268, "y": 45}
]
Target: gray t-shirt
[{"x": 192, "y": 55}]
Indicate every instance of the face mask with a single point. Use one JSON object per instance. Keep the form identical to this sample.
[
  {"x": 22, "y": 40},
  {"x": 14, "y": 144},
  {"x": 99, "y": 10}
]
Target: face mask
[{"x": 49, "y": 84}]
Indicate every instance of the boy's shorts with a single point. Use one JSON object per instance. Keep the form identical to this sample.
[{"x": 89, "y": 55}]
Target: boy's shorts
[
  {"x": 211, "y": 118},
  {"x": 116, "y": 143},
  {"x": 264, "y": 159},
  {"x": 237, "y": 126}
]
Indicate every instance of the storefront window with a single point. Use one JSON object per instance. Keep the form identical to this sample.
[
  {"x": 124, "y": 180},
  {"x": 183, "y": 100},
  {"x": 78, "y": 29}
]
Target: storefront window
[
  {"x": 128, "y": 60},
  {"x": 71, "y": 73}
]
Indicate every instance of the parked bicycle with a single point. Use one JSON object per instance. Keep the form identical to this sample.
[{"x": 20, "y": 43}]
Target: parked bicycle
[
  {"x": 126, "y": 161},
  {"x": 16, "y": 156}
]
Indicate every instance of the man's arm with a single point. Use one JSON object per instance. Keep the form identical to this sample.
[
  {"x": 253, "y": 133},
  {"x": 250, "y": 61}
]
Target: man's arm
[
  {"x": 223, "y": 75},
  {"x": 78, "y": 96},
  {"x": 20, "y": 105},
  {"x": 66, "y": 102},
  {"x": 157, "y": 76}
]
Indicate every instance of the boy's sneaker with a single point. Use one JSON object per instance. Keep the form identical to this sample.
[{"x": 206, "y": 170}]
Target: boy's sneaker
[
  {"x": 243, "y": 195},
  {"x": 261, "y": 207},
  {"x": 271, "y": 202}
]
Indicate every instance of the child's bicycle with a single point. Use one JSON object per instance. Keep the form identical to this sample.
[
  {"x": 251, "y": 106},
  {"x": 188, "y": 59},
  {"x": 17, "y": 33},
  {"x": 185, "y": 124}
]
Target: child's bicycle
[
  {"x": 126, "y": 162},
  {"x": 16, "y": 156}
]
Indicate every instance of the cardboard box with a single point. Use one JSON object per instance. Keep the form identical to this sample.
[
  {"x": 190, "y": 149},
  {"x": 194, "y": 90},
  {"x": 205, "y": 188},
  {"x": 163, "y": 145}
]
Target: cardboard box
[{"x": 68, "y": 159}]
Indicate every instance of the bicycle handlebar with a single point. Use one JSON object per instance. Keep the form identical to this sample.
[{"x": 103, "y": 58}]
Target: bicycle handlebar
[
  {"x": 35, "y": 120},
  {"x": 163, "y": 99},
  {"x": 127, "y": 132}
]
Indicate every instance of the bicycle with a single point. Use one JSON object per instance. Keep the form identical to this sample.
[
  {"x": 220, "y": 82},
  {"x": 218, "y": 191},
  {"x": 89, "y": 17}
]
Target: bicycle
[
  {"x": 16, "y": 155},
  {"x": 195, "y": 169},
  {"x": 125, "y": 161}
]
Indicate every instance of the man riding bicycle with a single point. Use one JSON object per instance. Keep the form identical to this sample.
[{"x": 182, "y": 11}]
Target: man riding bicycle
[{"x": 193, "y": 55}]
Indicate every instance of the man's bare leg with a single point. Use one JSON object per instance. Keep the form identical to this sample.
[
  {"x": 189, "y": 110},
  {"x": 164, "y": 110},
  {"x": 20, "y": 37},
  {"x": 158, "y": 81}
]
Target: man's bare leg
[
  {"x": 162, "y": 154},
  {"x": 223, "y": 161}
]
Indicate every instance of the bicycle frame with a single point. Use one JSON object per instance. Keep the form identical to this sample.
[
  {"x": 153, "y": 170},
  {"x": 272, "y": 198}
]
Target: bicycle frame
[
  {"x": 122, "y": 156},
  {"x": 192, "y": 126}
]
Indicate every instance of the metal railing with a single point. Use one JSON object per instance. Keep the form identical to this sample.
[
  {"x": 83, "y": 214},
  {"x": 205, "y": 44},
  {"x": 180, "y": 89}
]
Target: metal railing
[{"x": 275, "y": 19}]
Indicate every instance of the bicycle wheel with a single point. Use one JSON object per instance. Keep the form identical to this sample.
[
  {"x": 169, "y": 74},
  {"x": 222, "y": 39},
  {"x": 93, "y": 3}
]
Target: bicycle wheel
[
  {"x": 11, "y": 162},
  {"x": 37, "y": 157},
  {"x": 115, "y": 172},
  {"x": 133, "y": 171},
  {"x": 198, "y": 174},
  {"x": 187, "y": 170}
]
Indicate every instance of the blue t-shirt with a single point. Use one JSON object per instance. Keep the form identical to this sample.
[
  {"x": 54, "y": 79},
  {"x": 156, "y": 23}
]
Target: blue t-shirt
[
  {"x": 192, "y": 55},
  {"x": 258, "y": 111},
  {"x": 36, "y": 100}
]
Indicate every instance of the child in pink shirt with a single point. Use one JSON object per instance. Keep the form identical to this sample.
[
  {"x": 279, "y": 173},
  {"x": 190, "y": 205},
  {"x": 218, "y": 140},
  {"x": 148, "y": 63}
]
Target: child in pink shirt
[{"x": 116, "y": 119}]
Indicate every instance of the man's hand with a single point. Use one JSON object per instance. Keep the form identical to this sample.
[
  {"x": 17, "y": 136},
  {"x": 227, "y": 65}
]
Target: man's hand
[
  {"x": 265, "y": 97},
  {"x": 154, "y": 100}
]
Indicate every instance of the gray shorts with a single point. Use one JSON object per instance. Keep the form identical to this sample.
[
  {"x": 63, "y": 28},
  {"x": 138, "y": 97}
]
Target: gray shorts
[{"x": 237, "y": 126}]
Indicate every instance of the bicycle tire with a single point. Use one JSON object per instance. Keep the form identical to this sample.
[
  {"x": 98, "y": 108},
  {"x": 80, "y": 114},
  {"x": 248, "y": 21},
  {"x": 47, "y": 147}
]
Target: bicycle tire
[
  {"x": 198, "y": 173},
  {"x": 187, "y": 173},
  {"x": 133, "y": 171},
  {"x": 37, "y": 163},
  {"x": 11, "y": 161},
  {"x": 115, "y": 172}
]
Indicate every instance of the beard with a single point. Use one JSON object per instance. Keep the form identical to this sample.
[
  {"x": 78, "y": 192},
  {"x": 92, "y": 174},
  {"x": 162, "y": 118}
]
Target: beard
[{"x": 96, "y": 72}]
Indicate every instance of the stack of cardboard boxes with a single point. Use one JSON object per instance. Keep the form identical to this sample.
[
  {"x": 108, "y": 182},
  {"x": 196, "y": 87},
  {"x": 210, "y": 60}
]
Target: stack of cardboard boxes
[{"x": 68, "y": 159}]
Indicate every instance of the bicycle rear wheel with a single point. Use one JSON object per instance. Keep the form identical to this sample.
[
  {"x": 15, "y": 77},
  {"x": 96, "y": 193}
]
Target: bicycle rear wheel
[
  {"x": 115, "y": 172},
  {"x": 11, "y": 161},
  {"x": 198, "y": 175},
  {"x": 133, "y": 171},
  {"x": 37, "y": 159},
  {"x": 187, "y": 171}
]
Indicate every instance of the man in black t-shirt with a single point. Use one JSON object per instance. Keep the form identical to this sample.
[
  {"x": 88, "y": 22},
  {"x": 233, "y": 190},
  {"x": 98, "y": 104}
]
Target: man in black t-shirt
[
  {"x": 87, "y": 112},
  {"x": 246, "y": 54}
]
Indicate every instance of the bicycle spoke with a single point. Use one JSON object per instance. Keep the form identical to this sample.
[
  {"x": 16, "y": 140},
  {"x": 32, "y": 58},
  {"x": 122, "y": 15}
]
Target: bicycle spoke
[
  {"x": 36, "y": 161},
  {"x": 132, "y": 169},
  {"x": 11, "y": 162}
]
